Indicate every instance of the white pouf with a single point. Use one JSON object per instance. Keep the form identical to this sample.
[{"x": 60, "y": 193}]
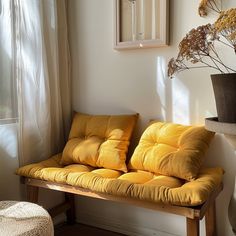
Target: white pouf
[{"x": 24, "y": 219}]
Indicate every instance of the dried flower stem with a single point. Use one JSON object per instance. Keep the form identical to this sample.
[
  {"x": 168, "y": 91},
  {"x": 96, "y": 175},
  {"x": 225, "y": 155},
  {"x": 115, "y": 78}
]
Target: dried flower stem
[
  {"x": 218, "y": 59},
  {"x": 198, "y": 45},
  {"x": 208, "y": 4},
  {"x": 198, "y": 67},
  {"x": 228, "y": 45},
  {"x": 213, "y": 6}
]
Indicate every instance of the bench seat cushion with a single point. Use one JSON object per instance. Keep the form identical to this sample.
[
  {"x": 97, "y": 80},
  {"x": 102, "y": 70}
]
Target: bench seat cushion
[{"x": 137, "y": 184}]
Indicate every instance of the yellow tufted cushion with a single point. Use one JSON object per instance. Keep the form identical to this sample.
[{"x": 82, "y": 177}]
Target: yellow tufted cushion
[
  {"x": 99, "y": 141},
  {"x": 137, "y": 184},
  {"x": 162, "y": 190},
  {"x": 164, "y": 149},
  {"x": 172, "y": 150}
]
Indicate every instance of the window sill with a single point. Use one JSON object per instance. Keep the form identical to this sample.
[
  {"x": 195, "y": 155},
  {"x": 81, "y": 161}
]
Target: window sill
[{"x": 8, "y": 121}]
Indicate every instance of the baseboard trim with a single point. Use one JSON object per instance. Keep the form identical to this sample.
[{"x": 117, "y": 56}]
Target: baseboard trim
[{"x": 119, "y": 226}]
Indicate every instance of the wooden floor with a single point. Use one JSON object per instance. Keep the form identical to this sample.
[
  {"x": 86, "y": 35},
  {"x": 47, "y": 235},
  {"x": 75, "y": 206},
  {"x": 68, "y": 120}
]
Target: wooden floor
[{"x": 82, "y": 230}]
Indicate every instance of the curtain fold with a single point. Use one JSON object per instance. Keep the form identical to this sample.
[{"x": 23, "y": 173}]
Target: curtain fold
[
  {"x": 65, "y": 65},
  {"x": 43, "y": 77}
]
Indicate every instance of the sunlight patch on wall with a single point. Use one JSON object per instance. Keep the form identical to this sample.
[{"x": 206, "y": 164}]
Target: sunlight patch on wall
[
  {"x": 209, "y": 114},
  {"x": 180, "y": 102},
  {"x": 161, "y": 85},
  {"x": 200, "y": 105},
  {"x": 173, "y": 94},
  {"x": 8, "y": 137}
]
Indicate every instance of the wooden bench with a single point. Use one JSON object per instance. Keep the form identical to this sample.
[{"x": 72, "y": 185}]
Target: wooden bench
[
  {"x": 193, "y": 214},
  {"x": 164, "y": 173}
]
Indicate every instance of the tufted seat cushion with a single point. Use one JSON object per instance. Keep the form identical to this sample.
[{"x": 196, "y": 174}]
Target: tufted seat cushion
[
  {"x": 99, "y": 141},
  {"x": 171, "y": 149},
  {"x": 165, "y": 167},
  {"x": 139, "y": 184}
]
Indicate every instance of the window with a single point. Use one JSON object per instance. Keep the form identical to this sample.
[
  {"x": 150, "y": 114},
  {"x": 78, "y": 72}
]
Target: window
[{"x": 7, "y": 79}]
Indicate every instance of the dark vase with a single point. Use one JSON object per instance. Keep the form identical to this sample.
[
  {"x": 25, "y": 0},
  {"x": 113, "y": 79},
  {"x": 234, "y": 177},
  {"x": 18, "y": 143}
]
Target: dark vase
[{"x": 224, "y": 86}]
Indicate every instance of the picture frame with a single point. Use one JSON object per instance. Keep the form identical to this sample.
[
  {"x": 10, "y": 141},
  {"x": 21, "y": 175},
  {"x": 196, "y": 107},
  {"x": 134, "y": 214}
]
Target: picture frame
[{"x": 141, "y": 24}]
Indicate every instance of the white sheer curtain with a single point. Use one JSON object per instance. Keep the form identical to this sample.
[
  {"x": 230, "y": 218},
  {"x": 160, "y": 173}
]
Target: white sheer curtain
[
  {"x": 40, "y": 66},
  {"x": 43, "y": 77}
]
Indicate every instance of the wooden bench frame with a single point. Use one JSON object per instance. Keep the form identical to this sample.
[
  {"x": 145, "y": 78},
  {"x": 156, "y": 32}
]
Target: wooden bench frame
[{"x": 193, "y": 214}]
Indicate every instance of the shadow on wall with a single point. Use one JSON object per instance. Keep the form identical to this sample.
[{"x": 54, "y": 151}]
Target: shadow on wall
[{"x": 163, "y": 89}]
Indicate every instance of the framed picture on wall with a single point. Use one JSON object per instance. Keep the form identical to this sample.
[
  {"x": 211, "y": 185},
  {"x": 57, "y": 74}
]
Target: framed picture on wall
[{"x": 141, "y": 23}]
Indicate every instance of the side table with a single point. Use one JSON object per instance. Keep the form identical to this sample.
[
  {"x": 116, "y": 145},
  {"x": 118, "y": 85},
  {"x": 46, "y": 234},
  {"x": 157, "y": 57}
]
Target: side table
[{"x": 229, "y": 131}]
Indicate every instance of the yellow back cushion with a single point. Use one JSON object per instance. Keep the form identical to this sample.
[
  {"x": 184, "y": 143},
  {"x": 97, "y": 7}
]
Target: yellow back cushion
[
  {"x": 172, "y": 150},
  {"x": 99, "y": 141}
]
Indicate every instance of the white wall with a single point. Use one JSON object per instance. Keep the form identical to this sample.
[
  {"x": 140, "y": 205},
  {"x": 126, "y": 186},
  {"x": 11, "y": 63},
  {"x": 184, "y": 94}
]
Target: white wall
[
  {"x": 9, "y": 183},
  {"x": 109, "y": 81},
  {"x": 10, "y": 187}
]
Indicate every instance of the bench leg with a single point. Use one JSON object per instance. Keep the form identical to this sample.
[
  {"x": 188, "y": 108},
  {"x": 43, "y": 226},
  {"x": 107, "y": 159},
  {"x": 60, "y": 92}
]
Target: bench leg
[
  {"x": 210, "y": 220},
  {"x": 32, "y": 193},
  {"x": 192, "y": 227},
  {"x": 70, "y": 214}
]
